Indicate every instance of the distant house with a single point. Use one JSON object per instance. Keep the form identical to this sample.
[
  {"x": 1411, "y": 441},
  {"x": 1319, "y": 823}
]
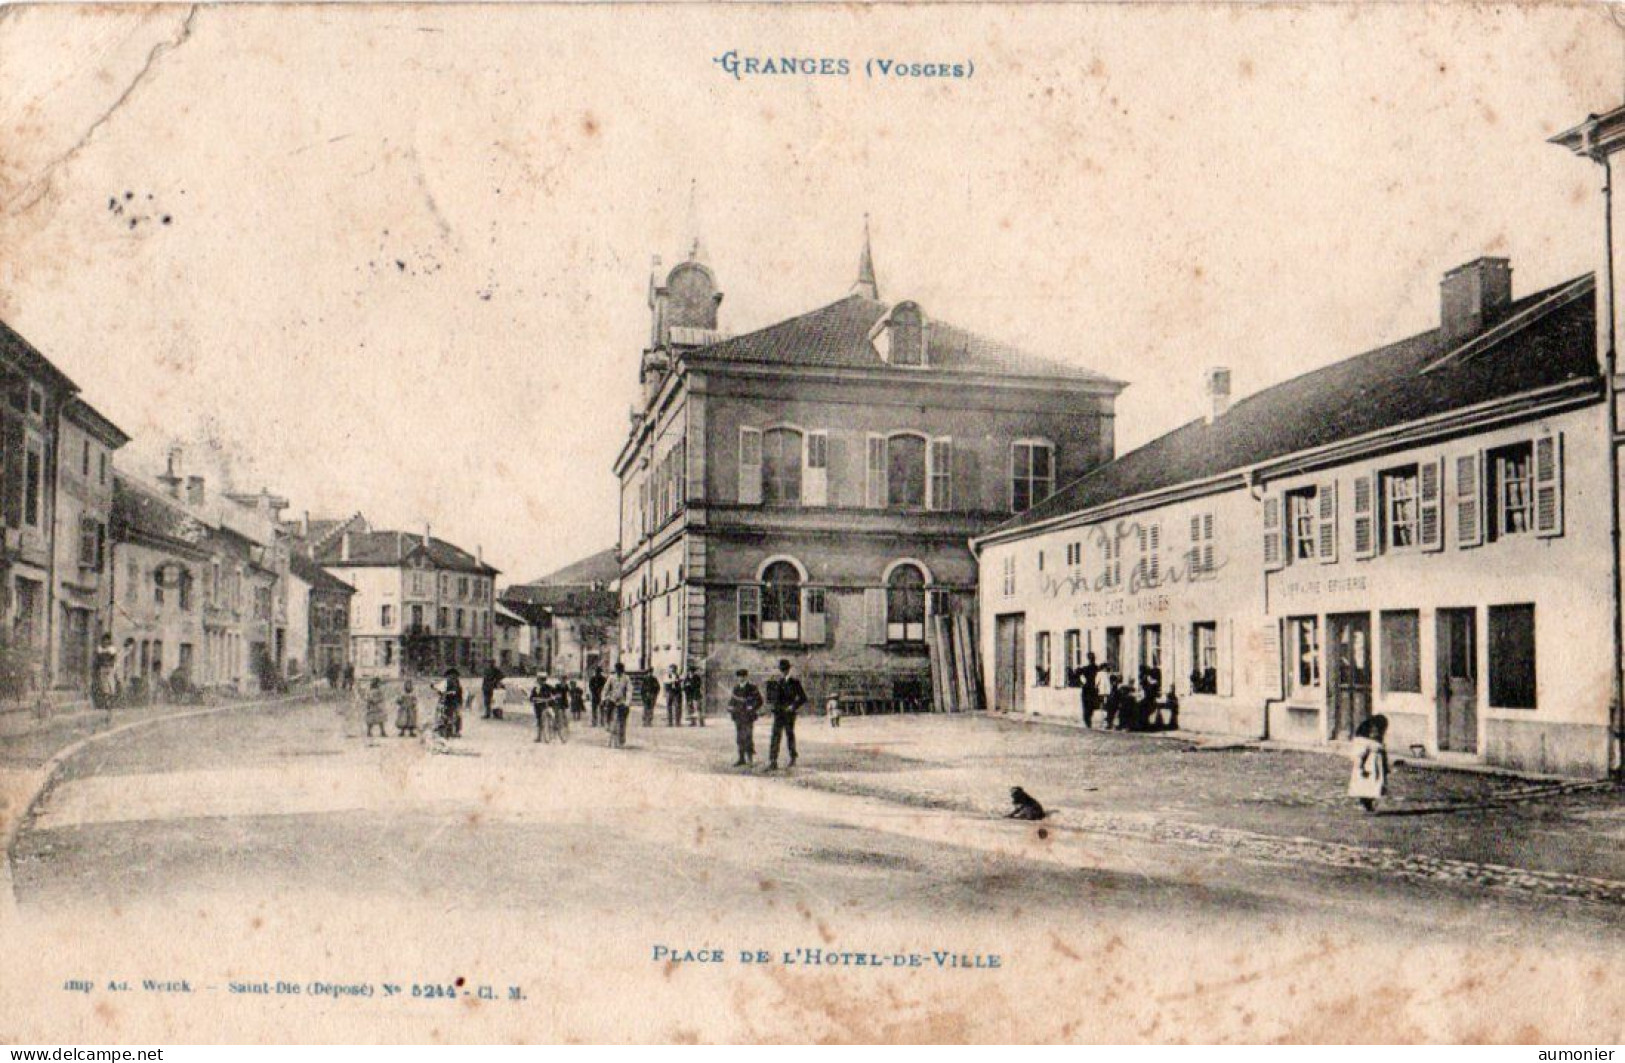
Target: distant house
[
  {"x": 422, "y": 605},
  {"x": 318, "y": 619},
  {"x": 573, "y": 614}
]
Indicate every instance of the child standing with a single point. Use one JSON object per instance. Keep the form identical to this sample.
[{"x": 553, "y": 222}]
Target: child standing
[
  {"x": 375, "y": 708},
  {"x": 406, "y": 712},
  {"x": 1368, "y": 780}
]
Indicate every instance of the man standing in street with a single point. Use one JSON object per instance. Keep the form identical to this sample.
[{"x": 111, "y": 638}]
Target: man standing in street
[
  {"x": 618, "y": 705},
  {"x": 674, "y": 697},
  {"x": 694, "y": 695},
  {"x": 744, "y": 705},
  {"x": 649, "y": 691},
  {"x": 489, "y": 686},
  {"x": 595, "y": 689},
  {"x": 785, "y": 696},
  {"x": 1087, "y": 675}
]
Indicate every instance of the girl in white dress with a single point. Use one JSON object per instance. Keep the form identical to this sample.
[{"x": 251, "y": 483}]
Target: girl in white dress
[{"x": 1368, "y": 779}]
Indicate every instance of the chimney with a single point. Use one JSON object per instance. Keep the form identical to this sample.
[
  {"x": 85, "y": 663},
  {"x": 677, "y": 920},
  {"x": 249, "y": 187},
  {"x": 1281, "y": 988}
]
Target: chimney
[
  {"x": 425, "y": 534},
  {"x": 1218, "y": 392},
  {"x": 171, "y": 479},
  {"x": 194, "y": 490},
  {"x": 1473, "y": 297},
  {"x": 304, "y": 527},
  {"x": 344, "y": 547}
]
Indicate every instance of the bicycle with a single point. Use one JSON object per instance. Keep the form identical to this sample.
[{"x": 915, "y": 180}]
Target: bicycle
[{"x": 554, "y": 725}]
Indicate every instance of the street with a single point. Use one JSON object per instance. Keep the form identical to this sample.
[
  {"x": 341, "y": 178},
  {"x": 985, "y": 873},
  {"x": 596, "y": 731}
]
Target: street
[{"x": 1176, "y": 891}]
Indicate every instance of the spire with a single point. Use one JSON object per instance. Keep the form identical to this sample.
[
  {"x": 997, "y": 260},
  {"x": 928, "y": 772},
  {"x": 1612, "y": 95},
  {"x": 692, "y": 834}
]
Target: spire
[
  {"x": 696, "y": 251},
  {"x": 866, "y": 285}
]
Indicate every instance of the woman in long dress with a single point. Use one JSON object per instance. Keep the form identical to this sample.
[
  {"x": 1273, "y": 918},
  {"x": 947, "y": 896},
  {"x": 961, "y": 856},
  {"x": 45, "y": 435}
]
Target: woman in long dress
[{"x": 1368, "y": 779}]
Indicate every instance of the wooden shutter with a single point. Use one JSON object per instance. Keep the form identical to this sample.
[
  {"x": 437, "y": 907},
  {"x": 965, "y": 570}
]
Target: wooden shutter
[
  {"x": 814, "y": 629},
  {"x": 1470, "y": 499},
  {"x": 13, "y": 441},
  {"x": 1326, "y": 525},
  {"x": 874, "y": 616},
  {"x": 1430, "y": 484},
  {"x": 750, "y": 466},
  {"x": 939, "y": 473},
  {"x": 1365, "y": 517},
  {"x": 815, "y": 482},
  {"x": 1274, "y": 556},
  {"x": 875, "y": 481},
  {"x": 1207, "y": 543},
  {"x": 1225, "y": 651},
  {"x": 1153, "y": 556},
  {"x": 1549, "y": 485}
]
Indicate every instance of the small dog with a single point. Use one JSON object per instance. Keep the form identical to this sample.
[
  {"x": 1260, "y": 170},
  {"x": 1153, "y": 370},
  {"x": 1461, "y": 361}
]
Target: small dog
[{"x": 1026, "y": 805}]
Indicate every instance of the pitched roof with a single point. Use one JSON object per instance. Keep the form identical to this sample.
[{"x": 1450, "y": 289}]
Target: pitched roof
[
  {"x": 532, "y": 613},
  {"x": 837, "y": 336},
  {"x": 1381, "y": 389},
  {"x": 389, "y": 549},
  {"x": 138, "y": 513},
  {"x": 562, "y": 599},
  {"x": 600, "y": 568},
  {"x": 13, "y": 346},
  {"x": 316, "y": 575}
]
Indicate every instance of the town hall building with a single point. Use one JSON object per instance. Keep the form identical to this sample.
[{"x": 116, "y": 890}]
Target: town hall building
[{"x": 808, "y": 490}]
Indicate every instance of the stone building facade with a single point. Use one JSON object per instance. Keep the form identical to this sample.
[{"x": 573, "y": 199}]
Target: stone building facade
[{"x": 808, "y": 490}]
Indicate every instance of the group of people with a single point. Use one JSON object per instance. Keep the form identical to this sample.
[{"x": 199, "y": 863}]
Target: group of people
[
  {"x": 785, "y": 699},
  {"x": 448, "y": 708},
  {"x": 1126, "y": 706}
]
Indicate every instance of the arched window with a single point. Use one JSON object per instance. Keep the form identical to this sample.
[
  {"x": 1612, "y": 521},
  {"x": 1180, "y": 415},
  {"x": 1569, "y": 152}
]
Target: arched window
[
  {"x": 905, "y": 472},
  {"x": 781, "y": 466},
  {"x": 781, "y": 603},
  {"x": 905, "y": 604}
]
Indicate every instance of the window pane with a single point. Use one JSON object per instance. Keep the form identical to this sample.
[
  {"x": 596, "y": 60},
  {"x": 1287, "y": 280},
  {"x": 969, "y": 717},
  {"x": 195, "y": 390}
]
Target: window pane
[
  {"x": 1401, "y": 653},
  {"x": 905, "y": 603},
  {"x": 905, "y": 471},
  {"x": 781, "y": 466},
  {"x": 1512, "y": 656}
]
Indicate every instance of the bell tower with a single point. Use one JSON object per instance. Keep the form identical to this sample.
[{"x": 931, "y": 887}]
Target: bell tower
[{"x": 683, "y": 306}]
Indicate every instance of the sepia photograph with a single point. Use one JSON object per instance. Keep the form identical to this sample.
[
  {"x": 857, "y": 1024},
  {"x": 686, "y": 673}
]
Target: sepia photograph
[{"x": 736, "y": 523}]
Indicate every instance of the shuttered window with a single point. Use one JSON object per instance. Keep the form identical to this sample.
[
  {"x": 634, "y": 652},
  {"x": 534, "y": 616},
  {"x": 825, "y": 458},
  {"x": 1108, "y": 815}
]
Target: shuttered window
[{"x": 1274, "y": 555}]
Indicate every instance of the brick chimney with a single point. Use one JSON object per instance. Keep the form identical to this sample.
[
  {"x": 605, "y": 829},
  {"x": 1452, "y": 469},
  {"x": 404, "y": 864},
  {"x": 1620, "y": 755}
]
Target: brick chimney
[
  {"x": 1473, "y": 297},
  {"x": 1218, "y": 392}
]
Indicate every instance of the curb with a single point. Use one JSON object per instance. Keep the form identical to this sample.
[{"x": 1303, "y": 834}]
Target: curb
[{"x": 45, "y": 776}]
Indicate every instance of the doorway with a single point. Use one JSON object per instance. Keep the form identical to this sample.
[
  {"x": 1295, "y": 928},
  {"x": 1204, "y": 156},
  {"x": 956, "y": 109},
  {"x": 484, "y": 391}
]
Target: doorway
[
  {"x": 1350, "y": 661},
  {"x": 1457, "y": 652},
  {"x": 1009, "y": 662}
]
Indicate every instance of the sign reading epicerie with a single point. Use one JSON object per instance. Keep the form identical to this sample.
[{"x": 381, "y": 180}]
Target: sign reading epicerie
[{"x": 740, "y": 66}]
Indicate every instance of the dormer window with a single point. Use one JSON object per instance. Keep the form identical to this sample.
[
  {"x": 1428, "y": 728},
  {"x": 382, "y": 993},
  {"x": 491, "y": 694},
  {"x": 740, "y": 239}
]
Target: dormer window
[{"x": 900, "y": 336}]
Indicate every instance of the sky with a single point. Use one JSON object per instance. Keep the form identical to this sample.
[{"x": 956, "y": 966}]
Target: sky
[{"x": 395, "y": 259}]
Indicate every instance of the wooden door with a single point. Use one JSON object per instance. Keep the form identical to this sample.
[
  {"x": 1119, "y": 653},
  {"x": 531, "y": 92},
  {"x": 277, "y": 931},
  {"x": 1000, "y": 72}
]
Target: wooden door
[
  {"x": 1457, "y": 652},
  {"x": 1009, "y": 662},
  {"x": 1350, "y": 673}
]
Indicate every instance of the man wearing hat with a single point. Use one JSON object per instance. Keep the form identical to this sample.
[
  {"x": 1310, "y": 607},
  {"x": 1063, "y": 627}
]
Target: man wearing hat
[
  {"x": 744, "y": 706},
  {"x": 785, "y": 696}
]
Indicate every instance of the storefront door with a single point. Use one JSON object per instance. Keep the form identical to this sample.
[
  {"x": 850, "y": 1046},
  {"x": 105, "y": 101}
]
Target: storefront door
[
  {"x": 1350, "y": 673},
  {"x": 1009, "y": 663},
  {"x": 1458, "y": 681}
]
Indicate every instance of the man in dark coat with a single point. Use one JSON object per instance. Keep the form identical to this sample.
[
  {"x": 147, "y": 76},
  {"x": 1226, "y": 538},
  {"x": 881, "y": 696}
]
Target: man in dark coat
[
  {"x": 694, "y": 695},
  {"x": 1087, "y": 675},
  {"x": 649, "y": 692},
  {"x": 489, "y": 685},
  {"x": 595, "y": 689},
  {"x": 785, "y": 697},
  {"x": 744, "y": 705}
]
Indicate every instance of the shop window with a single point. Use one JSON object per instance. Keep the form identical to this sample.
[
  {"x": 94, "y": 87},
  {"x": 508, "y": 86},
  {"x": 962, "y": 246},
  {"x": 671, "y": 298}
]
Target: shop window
[
  {"x": 1512, "y": 490},
  {"x": 781, "y": 603},
  {"x": 1072, "y": 644},
  {"x": 1205, "y": 658},
  {"x": 1041, "y": 660},
  {"x": 1151, "y": 646},
  {"x": 1304, "y": 639},
  {"x": 1114, "y": 650},
  {"x": 1512, "y": 656},
  {"x": 1401, "y": 652},
  {"x": 1032, "y": 474},
  {"x": 905, "y": 605}
]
